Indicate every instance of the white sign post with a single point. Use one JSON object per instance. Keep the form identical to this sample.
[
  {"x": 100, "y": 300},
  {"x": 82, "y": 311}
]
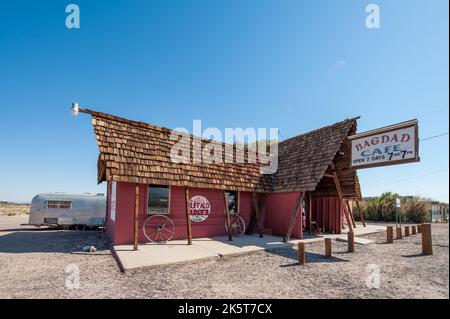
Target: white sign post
[
  {"x": 398, "y": 215},
  {"x": 395, "y": 144},
  {"x": 113, "y": 200}
]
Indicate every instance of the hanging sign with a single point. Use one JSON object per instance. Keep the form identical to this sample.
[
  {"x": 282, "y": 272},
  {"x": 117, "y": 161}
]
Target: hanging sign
[
  {"x": 395, "y": 144},
  {"x": 199, "y": 208}
]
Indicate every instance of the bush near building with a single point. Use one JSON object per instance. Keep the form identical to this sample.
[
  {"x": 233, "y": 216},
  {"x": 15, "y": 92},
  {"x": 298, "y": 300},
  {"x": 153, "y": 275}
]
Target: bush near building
[{"x": 413, "y": 209}]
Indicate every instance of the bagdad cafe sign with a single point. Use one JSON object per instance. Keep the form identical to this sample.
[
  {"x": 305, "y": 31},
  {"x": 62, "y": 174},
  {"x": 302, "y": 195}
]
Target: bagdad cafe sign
[{"x": 390, "y": 145}]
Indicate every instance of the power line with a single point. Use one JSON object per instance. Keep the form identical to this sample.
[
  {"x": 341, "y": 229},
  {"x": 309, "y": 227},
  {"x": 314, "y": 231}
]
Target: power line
[
  {"x": 407, "y": 179},
  {"x": 279, "y": 134},
  {"x": 410, "y": 174},
  {"x": 431, "y": 137},
  {"x": 432, "y": 111}
]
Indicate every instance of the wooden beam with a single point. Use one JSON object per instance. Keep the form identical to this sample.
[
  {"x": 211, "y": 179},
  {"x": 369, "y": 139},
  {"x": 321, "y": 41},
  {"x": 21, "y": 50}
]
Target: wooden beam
[
  {"x": 361, "y": 213},
  {"x": 390, "y": 234},
  {"x": 257, "y": 218},
  {"x": 227, "y": 213},
  {"x": 427, "y": 239},
  {"x": 341, "y": 197},
  {"x": 188, "y": 218},
  {"x": 309, "y": 211},
  {"x": 301, "y": 195},
  {"x": 328, "y": 175},
  {"x": 301, "y": 253},
  {"x": 136, "y": 219},
  {"x": 328, "y": 247},
  {"x": 350, "y": 213}
]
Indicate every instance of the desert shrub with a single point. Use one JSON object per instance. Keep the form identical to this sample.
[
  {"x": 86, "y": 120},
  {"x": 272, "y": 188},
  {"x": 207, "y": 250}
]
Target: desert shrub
[
  {"x": 416, "y": 210},
  {"x": 383, "y": 208}
]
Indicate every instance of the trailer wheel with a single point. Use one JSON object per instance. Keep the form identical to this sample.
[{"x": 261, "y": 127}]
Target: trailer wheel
[
  {"x": 80, "y": 227},
  {"x": 237, "y": 225},
  {"x": 159, "y": 229}
]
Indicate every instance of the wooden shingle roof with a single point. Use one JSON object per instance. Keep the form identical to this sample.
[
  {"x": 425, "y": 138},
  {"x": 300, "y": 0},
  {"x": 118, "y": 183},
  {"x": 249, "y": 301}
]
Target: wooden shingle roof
[
  {"x": 303, "y": 159},
  {"x": 138, "y": 152}
]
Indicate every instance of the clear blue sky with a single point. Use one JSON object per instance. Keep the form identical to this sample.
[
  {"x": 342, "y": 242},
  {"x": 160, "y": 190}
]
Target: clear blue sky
[{"x": 296, "y": 65}]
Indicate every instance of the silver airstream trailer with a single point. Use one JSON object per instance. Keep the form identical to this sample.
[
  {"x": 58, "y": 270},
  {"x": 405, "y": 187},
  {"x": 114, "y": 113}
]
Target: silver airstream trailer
[{"x": 63, "y": 209}]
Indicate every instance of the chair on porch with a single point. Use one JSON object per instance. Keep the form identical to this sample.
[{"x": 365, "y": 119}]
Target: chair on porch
[{"x": 316, "y": 230}]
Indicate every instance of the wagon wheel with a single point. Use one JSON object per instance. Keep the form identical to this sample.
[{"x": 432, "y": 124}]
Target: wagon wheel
[
  {"x": 159, "y": 228},
  {"x": 237, "y": 225}
]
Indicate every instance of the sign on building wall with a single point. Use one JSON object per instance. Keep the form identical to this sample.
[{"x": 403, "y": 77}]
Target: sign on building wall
[
  {"x": 199, "y": 208},
  {"x": 395, "y": 144},
  {"x": 113, "y": 200}
]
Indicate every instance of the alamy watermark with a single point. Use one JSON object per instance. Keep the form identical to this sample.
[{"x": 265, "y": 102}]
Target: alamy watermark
[
  {"x": 73, "y": 276},
  {"x": 237, "y": 145},
  {"x": 373, "y": 276},
  {"x": 73, "y": 17},
  {"x": 373, "y": 19}
]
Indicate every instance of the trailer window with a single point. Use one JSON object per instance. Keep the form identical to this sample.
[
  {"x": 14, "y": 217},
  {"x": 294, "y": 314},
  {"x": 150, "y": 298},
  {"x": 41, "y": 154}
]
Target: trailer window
[
  {"x": 233, "y": 202},
  {"x": 158, "y": 199},
  {"x": 59, "y": 204}
]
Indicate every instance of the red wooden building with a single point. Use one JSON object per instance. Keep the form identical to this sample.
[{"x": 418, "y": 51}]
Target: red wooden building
[{"x": 311, "y": 187}]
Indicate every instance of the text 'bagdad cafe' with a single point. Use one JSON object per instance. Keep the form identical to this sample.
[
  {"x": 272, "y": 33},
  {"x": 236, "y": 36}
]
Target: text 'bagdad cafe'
[
  {"x": 389, "y": 145},
  {"x": 151, "y": 198}
]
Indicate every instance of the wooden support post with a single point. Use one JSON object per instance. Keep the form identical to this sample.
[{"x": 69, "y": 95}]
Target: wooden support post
[
  {"x": 419, "y": 228},
  {"x": 301, "y": 253},
  {"x": 258, "y": 215},
  {"x": 188, "y": 218},
  {"x": 361, "y": 213},
  {"x": 136, "y": 219},
  {"x": 351, "y": 241},
  {"x": 309, "y": 211},
  {"x": 406, "y": 231},
  {"x": 413, "y": 229},
  {"x": 347, "y": 216},
  {"x": 390, "y": 234},
  {"x": 294, "y": 217},
  {"x": 227, "y": 212},
  {"x": 328, "y": 247},
  {"x": 350, "y": 213},
  {"x": 399, "y": 233},
  {"x": 427, "y": 244},
  {"x": 341, "y": 198}
]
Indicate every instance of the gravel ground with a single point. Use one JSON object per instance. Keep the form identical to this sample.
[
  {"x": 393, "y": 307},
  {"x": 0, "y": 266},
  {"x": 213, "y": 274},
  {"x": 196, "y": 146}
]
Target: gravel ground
[{"x": 33, "y": 264}]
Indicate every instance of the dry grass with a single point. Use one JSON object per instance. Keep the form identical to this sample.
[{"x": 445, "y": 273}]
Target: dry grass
[{"x": 13, "y": 209}]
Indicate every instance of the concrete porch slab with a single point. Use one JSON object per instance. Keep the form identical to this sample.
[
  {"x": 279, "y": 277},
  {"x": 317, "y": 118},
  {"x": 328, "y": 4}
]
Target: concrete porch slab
[
  {"x": 153, "y": 255},
  {"x": 177, "y": 251}
]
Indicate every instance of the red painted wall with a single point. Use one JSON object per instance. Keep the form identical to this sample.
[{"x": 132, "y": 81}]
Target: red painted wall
[
  {"x": 278, "y": 215},
  {"x": 328, "y": 212},
  {"x": 121, "y": 231}
]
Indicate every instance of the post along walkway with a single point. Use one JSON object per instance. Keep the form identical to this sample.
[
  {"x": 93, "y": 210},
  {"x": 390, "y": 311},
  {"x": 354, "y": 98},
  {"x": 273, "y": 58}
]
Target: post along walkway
[{"x": 177, "y": 251}]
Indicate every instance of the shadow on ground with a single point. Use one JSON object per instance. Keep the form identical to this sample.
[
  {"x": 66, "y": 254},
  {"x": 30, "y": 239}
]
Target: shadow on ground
[
  {"x": 310, "y": 257},
  {"x": 51, "y": 241}
]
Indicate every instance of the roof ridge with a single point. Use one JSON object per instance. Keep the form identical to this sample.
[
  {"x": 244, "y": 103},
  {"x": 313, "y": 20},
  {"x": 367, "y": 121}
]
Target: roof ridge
[{"x": 352, "y": 119}]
